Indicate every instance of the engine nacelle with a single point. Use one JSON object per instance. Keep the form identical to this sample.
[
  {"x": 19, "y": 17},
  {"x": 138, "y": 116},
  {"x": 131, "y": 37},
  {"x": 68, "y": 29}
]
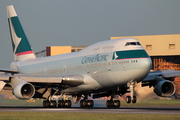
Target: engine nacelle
[
  {"x": 24, "y": 90},
  {"x": 164, "y": 88}
]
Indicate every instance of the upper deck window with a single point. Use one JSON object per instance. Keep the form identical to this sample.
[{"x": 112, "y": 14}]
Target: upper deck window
[{"x": 132, "y": 43}]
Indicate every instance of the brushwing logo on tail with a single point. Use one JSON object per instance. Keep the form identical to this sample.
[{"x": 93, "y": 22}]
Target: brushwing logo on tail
[
  {"x": 15, "y": 40},
  {"x": 21, "y": 47},
  {"x": 20, "y": 42}
]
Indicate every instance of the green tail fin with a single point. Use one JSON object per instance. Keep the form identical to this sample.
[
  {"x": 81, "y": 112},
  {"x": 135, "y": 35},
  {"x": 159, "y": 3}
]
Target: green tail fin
[{"x": 21, "y": 47}]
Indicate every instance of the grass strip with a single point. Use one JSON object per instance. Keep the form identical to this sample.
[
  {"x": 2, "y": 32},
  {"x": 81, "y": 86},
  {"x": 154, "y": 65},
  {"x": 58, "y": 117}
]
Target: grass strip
[{"x": 82, "y": 116}]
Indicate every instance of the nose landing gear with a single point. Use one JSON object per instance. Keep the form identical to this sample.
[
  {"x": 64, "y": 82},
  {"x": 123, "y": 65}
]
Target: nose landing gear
[{"x": 131, "y": 98}]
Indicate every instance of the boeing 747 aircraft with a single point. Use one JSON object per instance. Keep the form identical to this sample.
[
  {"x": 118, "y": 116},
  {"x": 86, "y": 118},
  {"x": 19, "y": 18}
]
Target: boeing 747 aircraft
[{"x": 107, "y": 68}]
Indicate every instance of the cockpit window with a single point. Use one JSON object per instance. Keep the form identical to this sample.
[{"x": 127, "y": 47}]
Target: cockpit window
[
  {"x": 138, "y": 43},
  {"x": 132, "y": 43}
]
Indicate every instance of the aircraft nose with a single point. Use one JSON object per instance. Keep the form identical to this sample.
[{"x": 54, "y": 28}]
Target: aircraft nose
[
  {"x": 145, "y": 64},
  {"x": 144, "y": 68}
]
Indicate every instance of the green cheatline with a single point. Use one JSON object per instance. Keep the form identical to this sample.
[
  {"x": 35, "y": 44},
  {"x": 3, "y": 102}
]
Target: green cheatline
[{"x": 128, "y": 54}]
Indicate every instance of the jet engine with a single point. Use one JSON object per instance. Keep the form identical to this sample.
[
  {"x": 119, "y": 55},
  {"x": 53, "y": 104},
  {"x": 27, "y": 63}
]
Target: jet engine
[
  {"x": 164, "y": 88},
  {"x": 24, "y": 90}
]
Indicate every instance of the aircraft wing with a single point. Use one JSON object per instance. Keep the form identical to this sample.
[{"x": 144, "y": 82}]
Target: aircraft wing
[
  {"x": 37, "y": 86},
  {"x": 157, "y": 76},
  {"x": 163, "y": 73},
  {"x": 72, "y": 80}
]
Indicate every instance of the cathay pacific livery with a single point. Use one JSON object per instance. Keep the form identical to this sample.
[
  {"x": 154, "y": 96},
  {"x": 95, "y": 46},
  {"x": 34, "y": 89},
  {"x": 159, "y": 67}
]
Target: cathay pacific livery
[{"x": 107, "y": 68}]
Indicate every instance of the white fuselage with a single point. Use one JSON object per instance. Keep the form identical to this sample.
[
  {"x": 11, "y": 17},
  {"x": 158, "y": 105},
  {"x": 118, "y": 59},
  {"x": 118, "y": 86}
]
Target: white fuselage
[{"x": 106, "y": 64}]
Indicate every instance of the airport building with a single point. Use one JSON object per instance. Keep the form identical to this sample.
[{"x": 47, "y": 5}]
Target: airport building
[{"x": 56, "y": 50}]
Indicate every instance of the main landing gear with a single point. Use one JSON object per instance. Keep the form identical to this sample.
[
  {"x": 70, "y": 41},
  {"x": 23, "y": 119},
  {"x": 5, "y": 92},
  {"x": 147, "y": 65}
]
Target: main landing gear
[
  {"x": 86, "y": 103},
  {"x": 113, "y": 104},
  {"x": 131, "y": 98},
  {"x": 53, "y": 104},
  {"x": 48, "y": 104},
  {"x": 64, "y": 103}
]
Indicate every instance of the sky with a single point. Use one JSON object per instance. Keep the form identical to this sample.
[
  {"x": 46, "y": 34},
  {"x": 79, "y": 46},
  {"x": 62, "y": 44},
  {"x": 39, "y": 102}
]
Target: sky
[{"x": 84, "y": 22}]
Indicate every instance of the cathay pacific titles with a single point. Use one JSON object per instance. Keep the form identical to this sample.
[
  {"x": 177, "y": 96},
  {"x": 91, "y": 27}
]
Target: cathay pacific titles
[{"x": 96, "y": 58}]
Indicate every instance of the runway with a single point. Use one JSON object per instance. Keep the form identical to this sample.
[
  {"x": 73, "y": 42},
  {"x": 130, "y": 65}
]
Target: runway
[{"x": 123, "y": 109}]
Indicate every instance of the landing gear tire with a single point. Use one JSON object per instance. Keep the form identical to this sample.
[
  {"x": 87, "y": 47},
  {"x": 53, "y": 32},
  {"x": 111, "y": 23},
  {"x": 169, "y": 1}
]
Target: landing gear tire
[
  {"x": 86, "y": 103},
  {"x": 46, "y": 104},
  {"x": 90, "y": 103},
  {"x": 117, "y": 103},
  {"x": 128, "y": 99},
  {"x": 67, "y": 103},
  {"x": 134, "y": 99},
  {"x": 83, "y": 103},
  {"x": 113, "y": 104},
  {"x": 61, "y": 104},
  {"x": 110, "y": 104},
  {"x": 53, "y": 104}
]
